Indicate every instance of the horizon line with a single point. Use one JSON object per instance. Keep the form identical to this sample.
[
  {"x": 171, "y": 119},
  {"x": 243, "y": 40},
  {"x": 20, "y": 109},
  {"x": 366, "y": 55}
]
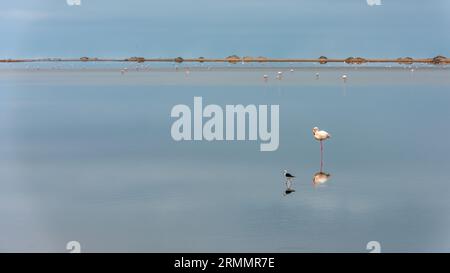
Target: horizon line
[{"x": 236, "y": 59}]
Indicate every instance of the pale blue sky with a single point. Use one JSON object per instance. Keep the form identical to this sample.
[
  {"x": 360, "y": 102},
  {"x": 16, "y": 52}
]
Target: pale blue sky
[{"x": 34, "y": 28}]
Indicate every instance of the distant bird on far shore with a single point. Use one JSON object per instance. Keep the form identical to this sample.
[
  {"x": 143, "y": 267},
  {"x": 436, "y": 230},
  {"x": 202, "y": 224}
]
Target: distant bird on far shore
[
  {"x": 344, "y": 78},
  {"x": 320, "y": 135},
  {"x": 279, "y": 75},
  {"x": 317, "y": 76}
]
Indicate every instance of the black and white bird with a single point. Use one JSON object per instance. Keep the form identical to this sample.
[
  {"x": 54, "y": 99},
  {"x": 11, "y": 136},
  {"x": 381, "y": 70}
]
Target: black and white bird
[
  {"x": 289, "y": 178},
  {"x": 288, "y": 175}
]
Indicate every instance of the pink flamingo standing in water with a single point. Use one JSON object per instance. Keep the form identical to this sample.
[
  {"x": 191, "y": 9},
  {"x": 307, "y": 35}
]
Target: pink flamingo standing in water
[{"x": 320, "y": 135}]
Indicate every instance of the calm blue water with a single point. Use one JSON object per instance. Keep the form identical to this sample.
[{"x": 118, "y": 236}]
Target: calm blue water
[{"x": 88, "y": 156}]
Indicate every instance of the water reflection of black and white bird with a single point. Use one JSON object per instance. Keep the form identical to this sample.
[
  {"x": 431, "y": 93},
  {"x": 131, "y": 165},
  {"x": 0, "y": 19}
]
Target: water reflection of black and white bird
[{"x": 288, "y": 191}]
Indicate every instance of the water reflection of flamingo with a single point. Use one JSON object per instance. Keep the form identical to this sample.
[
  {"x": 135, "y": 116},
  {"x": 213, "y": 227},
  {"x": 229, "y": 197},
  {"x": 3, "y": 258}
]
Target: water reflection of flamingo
[
  {"x": 320, "y": 178},
  {"x": 320, "y": 135}
]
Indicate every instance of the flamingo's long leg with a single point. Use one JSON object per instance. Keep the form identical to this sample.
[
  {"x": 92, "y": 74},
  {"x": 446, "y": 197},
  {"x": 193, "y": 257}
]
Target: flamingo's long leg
[{"x": 321, "y": 156}]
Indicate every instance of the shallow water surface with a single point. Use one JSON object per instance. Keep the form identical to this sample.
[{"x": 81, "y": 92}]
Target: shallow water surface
[{"x": 88, "y": 156}]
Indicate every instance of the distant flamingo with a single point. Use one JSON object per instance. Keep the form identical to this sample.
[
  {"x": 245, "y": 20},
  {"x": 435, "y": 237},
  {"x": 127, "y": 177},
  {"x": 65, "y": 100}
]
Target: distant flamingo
[
  {"x": 344, "y": 80},
  {"x": 320, "y": 136},
  {"x": 279, "y": 75}
]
